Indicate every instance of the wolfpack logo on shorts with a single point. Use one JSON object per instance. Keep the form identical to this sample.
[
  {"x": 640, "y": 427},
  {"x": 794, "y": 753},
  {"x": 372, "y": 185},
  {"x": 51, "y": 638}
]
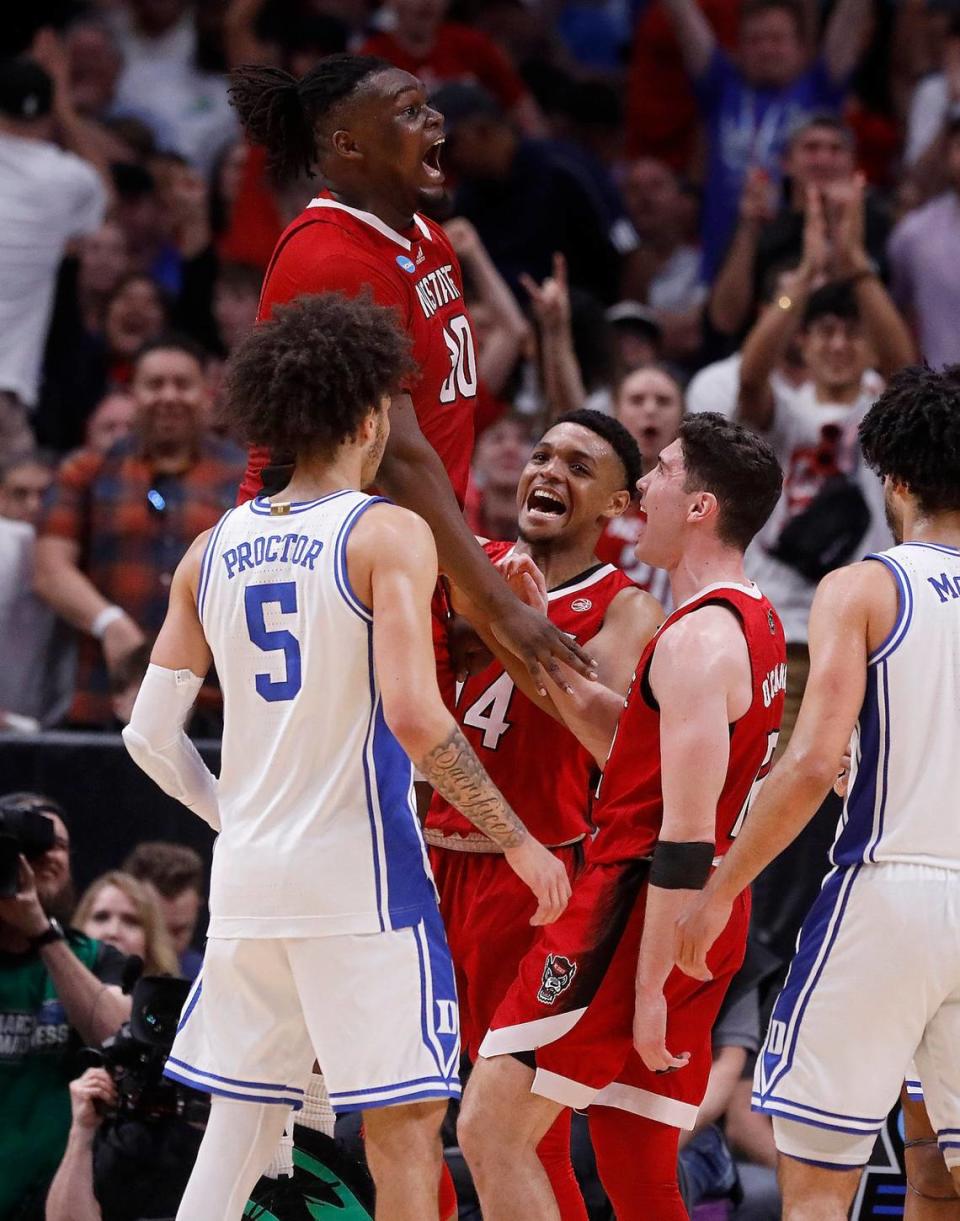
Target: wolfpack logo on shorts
[{"x": 558, "y": 973}]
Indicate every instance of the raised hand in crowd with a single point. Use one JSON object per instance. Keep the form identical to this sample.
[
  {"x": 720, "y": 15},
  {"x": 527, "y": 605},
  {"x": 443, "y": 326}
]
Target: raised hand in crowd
[{"x": 562, "y": 380}]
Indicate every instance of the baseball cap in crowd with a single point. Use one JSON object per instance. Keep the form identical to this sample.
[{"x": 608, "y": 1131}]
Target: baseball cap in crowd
[
  {"x": 633, "y": 315},
  {"x": 26, "y": 90},
  {"x": 459, "y": 102}
]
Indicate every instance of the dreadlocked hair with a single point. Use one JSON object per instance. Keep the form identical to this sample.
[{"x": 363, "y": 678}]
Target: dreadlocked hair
[
  {"x": 912, "y": 434},
  {"x": 302, "y": 381},
  {"x": 281, "y": 112}
]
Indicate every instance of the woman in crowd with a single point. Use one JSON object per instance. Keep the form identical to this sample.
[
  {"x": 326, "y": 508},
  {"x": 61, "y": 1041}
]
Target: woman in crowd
[{"x": 119, "y": 910}]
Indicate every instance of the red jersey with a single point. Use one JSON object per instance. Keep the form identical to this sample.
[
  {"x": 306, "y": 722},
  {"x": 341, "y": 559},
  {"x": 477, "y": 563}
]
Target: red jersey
[
  {"x": 537, "y": 764},
  {"x": 629, "y": 810},
  {"x": 331, "y": 247},
  {"x": 617, "y": 545}
]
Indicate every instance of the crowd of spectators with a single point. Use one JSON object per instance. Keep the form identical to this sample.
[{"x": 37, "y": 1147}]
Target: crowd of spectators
[{"x": 660, "y": 206}]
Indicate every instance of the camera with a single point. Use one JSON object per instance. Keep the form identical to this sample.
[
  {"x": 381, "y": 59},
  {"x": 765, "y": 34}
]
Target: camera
[
  {"x": 24, "y": 830},
  {"x": 134, "y": 1057},
  {"x": 145, "y": 1148}
]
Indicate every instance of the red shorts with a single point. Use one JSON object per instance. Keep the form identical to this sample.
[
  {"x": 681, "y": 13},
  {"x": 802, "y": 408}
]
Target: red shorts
[
  {"x": 486, "y": 910},
  {"x": 572, "y": 1003}
]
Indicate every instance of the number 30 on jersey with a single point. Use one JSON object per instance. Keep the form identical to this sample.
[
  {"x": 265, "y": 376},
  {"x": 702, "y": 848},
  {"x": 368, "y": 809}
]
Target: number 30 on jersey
[{"x": 463, "y": 361}]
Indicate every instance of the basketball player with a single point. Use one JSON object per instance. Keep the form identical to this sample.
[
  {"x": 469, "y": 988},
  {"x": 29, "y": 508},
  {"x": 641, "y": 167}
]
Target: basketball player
[
  {"x": 578, "y": 477},
  {"x": 367, "y": 128},
  {"x": 596, "y": 1005},
  {"x": 314, "y": 606},
  {"x": 876, "y": 977}
]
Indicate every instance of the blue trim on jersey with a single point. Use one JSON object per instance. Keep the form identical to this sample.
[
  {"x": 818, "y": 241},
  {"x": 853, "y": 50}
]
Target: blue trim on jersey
[
  {"x": 819, "y": 1112},
  {"x": 375, "y": 823},
  {"x": 225, "y": 1092},
  {"x": 436, "y": 976},
  {"x": 206, "y": 564},
  {"x": 818, "y": 936},
  {"x": 388, "y": 1089},
  {"x": 423, "y": 1093},
  {"x": 885, "y": 774},
  {"x": 410, "y": 891},
  {"x": 904, "y": 608},
  {"x": 263, "y": 508},
  {"x": 246, "y": 1085},
  {"x": 860, "y": 808},
  {"x": 191, "y": 1002},
  {"x": 340, "y": 572},
  {"x": 769, "y": 1108}
]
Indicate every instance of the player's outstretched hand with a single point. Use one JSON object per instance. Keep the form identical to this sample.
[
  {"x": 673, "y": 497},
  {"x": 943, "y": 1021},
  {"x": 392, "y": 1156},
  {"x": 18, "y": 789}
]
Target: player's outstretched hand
[
  {"x": 525, "y": 579},
  {"x": 650, "y": 1032},
  {"x": 540, "y": 645},
  {"x": 544, "y": 874},
  {"x": 695, "y": 933}
]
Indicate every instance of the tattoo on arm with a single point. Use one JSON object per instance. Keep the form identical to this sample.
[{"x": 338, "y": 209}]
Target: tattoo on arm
[{"x": 456, "y": 773}]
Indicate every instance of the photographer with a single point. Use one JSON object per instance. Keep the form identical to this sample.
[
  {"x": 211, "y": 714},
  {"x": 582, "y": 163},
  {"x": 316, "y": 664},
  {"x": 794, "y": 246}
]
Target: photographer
[
  {"x": 71, "y": 1195},
  {"x": 57, "y": 990}
]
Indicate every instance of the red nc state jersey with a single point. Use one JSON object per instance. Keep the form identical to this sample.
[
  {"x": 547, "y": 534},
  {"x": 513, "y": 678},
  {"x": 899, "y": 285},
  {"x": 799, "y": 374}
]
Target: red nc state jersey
[
  {"x": 629, "y": 809},
  {"x": 331, "y": 247},
  {"x": 538, "y": 765}
]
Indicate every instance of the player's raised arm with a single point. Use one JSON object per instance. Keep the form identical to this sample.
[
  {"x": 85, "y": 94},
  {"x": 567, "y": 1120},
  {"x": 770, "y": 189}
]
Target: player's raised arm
[
  {"x": 392, "y": 554},
  {"x": 799, "y": 782},
  {"x": 179, "y": 661}
]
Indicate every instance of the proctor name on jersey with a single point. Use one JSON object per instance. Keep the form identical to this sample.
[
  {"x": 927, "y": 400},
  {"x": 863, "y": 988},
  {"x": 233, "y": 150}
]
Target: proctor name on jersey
[
  {"x": 436, "y": 289},
  {"x": 272, "y": 549}
]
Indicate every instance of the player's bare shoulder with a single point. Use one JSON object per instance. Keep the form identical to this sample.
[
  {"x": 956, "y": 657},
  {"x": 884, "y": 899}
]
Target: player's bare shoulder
[
  {"x": 865, "y": 593},
  {"x": 706, "y": 647},
  {"x": 388, "y": 536}
]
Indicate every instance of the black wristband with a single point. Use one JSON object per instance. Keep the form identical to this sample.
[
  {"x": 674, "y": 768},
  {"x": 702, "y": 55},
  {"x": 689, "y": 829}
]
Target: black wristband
[
  {"x": 684, "y": 866},
  {"x": 53, "y": 932}
]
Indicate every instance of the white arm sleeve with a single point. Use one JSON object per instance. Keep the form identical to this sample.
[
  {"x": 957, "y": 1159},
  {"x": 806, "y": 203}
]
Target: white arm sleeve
[{"x": 157, "y": 744}]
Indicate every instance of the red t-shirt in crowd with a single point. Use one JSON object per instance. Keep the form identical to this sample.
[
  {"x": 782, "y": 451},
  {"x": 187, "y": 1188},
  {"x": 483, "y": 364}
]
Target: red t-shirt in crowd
[
  {"x": 458, "y": 54},
  {"x": 331, "y": 247},
  {"x": 538, "y": 764}
]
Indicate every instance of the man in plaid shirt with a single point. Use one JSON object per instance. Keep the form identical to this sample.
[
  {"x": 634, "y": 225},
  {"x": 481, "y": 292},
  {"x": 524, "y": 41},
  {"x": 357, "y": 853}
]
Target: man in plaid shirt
[{"x": 117, "y": 524}]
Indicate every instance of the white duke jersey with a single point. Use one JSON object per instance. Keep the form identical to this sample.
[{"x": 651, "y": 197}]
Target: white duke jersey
[
  {"x": 319, "y": 833},
  {"x": 905, "y": 767}
]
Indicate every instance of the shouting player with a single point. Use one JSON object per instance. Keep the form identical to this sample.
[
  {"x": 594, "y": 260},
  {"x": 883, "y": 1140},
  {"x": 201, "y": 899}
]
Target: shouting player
[
  {"x": 596, "y": 1004},
  {"x": 878, "y": 957},
  {"x": 314, "y": 606},
  {"x": 367, "y": 127},
  {"x": 579, "y": 476}
]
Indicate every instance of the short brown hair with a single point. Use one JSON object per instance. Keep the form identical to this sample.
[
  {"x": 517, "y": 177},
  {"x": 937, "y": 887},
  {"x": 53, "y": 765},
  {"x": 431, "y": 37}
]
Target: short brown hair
[{"x": 171, "y": 868}]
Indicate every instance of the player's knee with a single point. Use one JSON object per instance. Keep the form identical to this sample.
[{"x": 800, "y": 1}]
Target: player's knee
[
  {"x": 404, "y": 1134},
  {"x": 927, "y": 1173}
]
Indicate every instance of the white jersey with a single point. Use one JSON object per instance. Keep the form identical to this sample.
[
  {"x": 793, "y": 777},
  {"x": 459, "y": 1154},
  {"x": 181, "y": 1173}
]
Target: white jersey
[
  {"x": 905, "y": 773},
  {"x": 319, "y": 833}
]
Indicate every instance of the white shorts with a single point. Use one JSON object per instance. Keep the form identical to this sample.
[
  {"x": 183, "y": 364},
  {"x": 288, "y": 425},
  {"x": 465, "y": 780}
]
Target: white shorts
[
  {"x": 875, "y": 984},
  {"x": 378, "y": 1012}
]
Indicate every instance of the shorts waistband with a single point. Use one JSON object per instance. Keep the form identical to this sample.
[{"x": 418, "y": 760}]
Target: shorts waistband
[{"x": 478, "y": 843}]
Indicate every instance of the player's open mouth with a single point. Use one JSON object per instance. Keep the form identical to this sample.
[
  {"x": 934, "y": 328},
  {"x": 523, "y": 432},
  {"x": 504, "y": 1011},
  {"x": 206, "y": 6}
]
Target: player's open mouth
[
  {"x": 545, "y": 503},
  {"x": 431, "y": 162}
]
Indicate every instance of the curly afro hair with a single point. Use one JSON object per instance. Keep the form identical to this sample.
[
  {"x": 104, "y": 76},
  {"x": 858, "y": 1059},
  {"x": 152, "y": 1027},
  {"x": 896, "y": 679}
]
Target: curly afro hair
[
  {"x": 912, "y": 434},
  {"x": 302, "y": 382}
]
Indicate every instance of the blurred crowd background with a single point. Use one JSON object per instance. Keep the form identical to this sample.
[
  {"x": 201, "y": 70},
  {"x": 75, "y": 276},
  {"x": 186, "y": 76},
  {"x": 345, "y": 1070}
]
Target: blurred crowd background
[{"x": 660, "y": 206}]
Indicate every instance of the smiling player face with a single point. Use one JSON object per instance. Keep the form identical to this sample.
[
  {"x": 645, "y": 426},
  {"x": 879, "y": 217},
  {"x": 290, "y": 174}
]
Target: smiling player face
[
  {"x": 393, "y": 137},
  {"x": 572, "y": 482}
]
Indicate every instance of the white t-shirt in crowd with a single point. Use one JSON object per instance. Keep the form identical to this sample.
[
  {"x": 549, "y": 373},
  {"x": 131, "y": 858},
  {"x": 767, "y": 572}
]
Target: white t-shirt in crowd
[
  {"x": 813, "y": 440},
  {"x": 717, "y": 387},
  {"x": 47, "y": 196},
  {"x": 35, "y": 669}
]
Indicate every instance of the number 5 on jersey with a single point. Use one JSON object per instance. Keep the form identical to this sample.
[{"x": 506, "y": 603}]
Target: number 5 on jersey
[{"x": 256, "y": 599}]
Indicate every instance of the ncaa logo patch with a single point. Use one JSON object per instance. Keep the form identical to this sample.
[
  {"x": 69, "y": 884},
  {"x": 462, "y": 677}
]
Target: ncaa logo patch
[
  {"x": 558, "y": 973},
  {"x": 405, "y": 263},
  {"x": 581, "y": 604}
]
